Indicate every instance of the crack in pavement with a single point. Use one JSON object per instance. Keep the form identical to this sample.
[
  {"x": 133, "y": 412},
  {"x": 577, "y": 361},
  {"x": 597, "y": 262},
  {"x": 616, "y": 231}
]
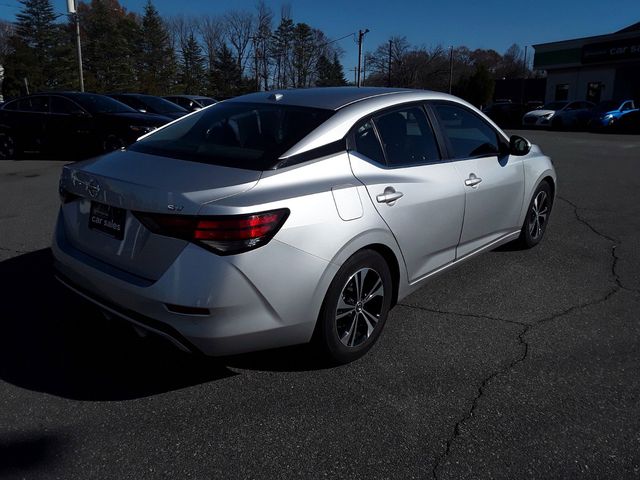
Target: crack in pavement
[
  {"x": 521, "y": 336},
  {"x": 460, "y": 314},
  {"x": 485, "y": 382},
  {"x": 616, "y": 244}
]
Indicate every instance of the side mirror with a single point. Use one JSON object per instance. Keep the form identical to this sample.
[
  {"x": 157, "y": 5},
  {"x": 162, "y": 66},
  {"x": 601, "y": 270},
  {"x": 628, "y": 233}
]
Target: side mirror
[
  {"x": 519, "y": 146},
  {"x": 80, "y": 113}
]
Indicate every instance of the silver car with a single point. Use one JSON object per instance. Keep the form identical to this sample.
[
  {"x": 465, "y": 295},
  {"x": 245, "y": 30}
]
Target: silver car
[{"x": 278, "y": 218}]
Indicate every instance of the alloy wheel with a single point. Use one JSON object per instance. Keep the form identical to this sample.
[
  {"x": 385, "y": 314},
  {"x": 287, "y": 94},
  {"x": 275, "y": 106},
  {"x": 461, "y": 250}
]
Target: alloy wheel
[
  {"x": 7, "y": 147},
  {"x": 359, "y": 307},
  {"x": 538, "y": 215}
]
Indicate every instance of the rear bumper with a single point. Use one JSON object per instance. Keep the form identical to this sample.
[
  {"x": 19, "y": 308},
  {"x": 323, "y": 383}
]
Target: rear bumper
[{"x": 266, "y": 298}]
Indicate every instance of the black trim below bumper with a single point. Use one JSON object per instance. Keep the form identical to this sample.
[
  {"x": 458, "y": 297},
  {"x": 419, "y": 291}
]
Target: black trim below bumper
[{"x": 150, "y": 324}]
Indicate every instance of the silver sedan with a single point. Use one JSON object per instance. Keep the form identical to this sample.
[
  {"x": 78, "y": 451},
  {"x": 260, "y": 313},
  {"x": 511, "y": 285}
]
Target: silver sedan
[{"x": 280, "y": 218}]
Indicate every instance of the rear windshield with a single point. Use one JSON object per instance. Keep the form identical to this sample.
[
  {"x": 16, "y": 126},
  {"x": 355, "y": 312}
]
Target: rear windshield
[
  {"x": 161, "y": 105},
  {"x": 94, "y": 103},
  {"x": 234, "y": 134},
  {"x": 205, "y": 102}
]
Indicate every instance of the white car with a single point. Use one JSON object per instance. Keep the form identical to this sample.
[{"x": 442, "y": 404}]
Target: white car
[
  {"x": 278, "y": 218},
  {"x": 541, "y": 117}
]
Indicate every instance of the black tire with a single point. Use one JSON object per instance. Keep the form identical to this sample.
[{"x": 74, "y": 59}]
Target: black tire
[
  {"x": 338, "y": 327},
  {"x": 8, "y": 148},
  {"x": 535, "y": 224},
  {"x": 112, "y": 142}
]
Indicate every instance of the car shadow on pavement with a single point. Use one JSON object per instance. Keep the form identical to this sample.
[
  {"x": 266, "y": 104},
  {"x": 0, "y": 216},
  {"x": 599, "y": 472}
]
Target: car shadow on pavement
[
  {"x": 55, "y": 342},
  {"x": 21, "y": 452}
]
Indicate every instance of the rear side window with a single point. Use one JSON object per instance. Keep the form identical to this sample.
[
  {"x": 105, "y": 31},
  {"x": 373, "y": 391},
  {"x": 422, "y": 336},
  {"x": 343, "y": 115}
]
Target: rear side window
[
  {"x": 469, "y": 135},
  {"x": 366, "y": 142},
  {"x": 11, "y": 105},
  {"x": 34, "y": 104},
  {"x": 407, "y": 137},
  {"x": 240, "y": 135}
]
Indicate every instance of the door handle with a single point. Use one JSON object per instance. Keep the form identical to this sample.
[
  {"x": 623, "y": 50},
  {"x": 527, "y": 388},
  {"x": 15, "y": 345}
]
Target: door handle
[
  {"x": 472, "y": 181},
  {"x": 389, "y": 196}
]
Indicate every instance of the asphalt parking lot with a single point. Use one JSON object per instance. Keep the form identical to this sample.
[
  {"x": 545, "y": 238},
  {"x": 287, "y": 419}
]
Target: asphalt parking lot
[{"x": 518, "y": 364}]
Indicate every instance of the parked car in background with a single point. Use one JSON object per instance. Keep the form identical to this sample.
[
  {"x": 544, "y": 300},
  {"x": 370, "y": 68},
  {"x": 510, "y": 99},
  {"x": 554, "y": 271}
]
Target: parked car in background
[
  {"x": 151, "y": 104},
  {"x": 191, "y": 102},
  {"x": 607, "y": 113},
  {"x": 505, "y": 114},
  {"x": 629, "y": 122},
  {"x": 574, "y": 116},
  {"x": 277, "y": 218},
  {"x": 541, "y": 117},
  {"x": 71, "y": 124}
]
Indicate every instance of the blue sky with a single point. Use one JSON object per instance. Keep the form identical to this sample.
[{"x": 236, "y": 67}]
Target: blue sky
[{"x": 476, "y": 24}]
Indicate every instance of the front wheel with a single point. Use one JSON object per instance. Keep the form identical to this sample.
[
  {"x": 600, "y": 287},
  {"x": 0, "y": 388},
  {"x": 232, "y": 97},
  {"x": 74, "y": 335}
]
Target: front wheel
[
  {"x": 535, "y": 223},
  {"x": 355, "y": 308}
]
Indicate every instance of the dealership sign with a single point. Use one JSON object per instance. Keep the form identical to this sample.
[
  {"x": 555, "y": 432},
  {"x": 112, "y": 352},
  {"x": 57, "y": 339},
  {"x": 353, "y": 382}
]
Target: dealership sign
[{"x": 626, "y": 49}]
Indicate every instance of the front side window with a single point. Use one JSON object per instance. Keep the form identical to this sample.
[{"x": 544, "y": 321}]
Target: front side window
[
  {"x": 235, "y": 134},
  {"x": 469, "y": 135},
  {"x": 407, "y": 137},
  {"x": 63, "y": 106}
]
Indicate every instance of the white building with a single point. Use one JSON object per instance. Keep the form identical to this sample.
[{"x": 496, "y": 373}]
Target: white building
[{"x": 605, "y": 67}]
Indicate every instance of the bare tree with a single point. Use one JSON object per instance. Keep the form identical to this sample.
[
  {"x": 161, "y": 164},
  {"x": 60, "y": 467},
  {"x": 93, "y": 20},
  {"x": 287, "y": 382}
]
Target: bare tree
[
  {"x": 239, "y": 29},
  {"x": 181, "y": 28},
  {"x": 212, "y": 31},
  {"x": 261, "y": 44}
]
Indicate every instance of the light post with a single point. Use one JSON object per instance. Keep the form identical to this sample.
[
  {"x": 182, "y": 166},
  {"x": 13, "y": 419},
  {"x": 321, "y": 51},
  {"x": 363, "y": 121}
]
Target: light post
[{"x": 71, "y": 9}]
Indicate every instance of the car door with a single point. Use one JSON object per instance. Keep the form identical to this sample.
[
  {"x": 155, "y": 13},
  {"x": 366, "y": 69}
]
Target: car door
[
  {"x": 396, "y": 156},
  {"x": 31, "y": 118},
  {"x": 71, "y": 127},
  {"x": 493, "y": 181}
]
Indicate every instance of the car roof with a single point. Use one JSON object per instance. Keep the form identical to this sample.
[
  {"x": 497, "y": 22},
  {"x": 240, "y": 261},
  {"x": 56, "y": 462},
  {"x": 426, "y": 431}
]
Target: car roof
[{"x": 329, "y": 98}]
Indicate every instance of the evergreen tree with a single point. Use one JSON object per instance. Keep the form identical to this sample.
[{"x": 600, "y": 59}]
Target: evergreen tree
[
  {"x": 192, "y": 67},
  {"x": 157, "y": 60},
  {"x": 226, "y": 78},
  {"x": 110, "y": 46},
  {"x": 281, "y": 52},
  {"x": 302, "y": 55},
  {"x": 40, "y": 51},
  {"x": 329, "y": 74}
]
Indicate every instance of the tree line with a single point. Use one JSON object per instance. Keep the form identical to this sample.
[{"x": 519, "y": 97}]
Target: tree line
[
  {"x": 222, "y": 55},
  {"x": 469, "y": 74}
]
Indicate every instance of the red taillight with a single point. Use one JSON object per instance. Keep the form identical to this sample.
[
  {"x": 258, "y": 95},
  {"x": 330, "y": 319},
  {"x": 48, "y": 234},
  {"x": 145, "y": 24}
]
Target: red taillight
[{"x": 225, "y": 234}]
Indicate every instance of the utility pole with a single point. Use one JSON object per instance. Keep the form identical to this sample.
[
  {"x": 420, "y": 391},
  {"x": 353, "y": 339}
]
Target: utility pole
[
  {"x": 524, "y": 76},
  {"x": 389, "y": 69},
  {"x": 361, "y": 34},
  {"x": 71, "y": 9},
  {"x": 450, "y": 68}
]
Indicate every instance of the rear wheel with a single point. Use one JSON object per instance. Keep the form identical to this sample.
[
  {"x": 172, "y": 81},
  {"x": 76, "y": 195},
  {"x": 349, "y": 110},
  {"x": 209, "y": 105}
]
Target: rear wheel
[
  {"x": 7, "y": 146},
  {"x": 535, "y": 223},
  {"x": 355, "y": 308}
]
